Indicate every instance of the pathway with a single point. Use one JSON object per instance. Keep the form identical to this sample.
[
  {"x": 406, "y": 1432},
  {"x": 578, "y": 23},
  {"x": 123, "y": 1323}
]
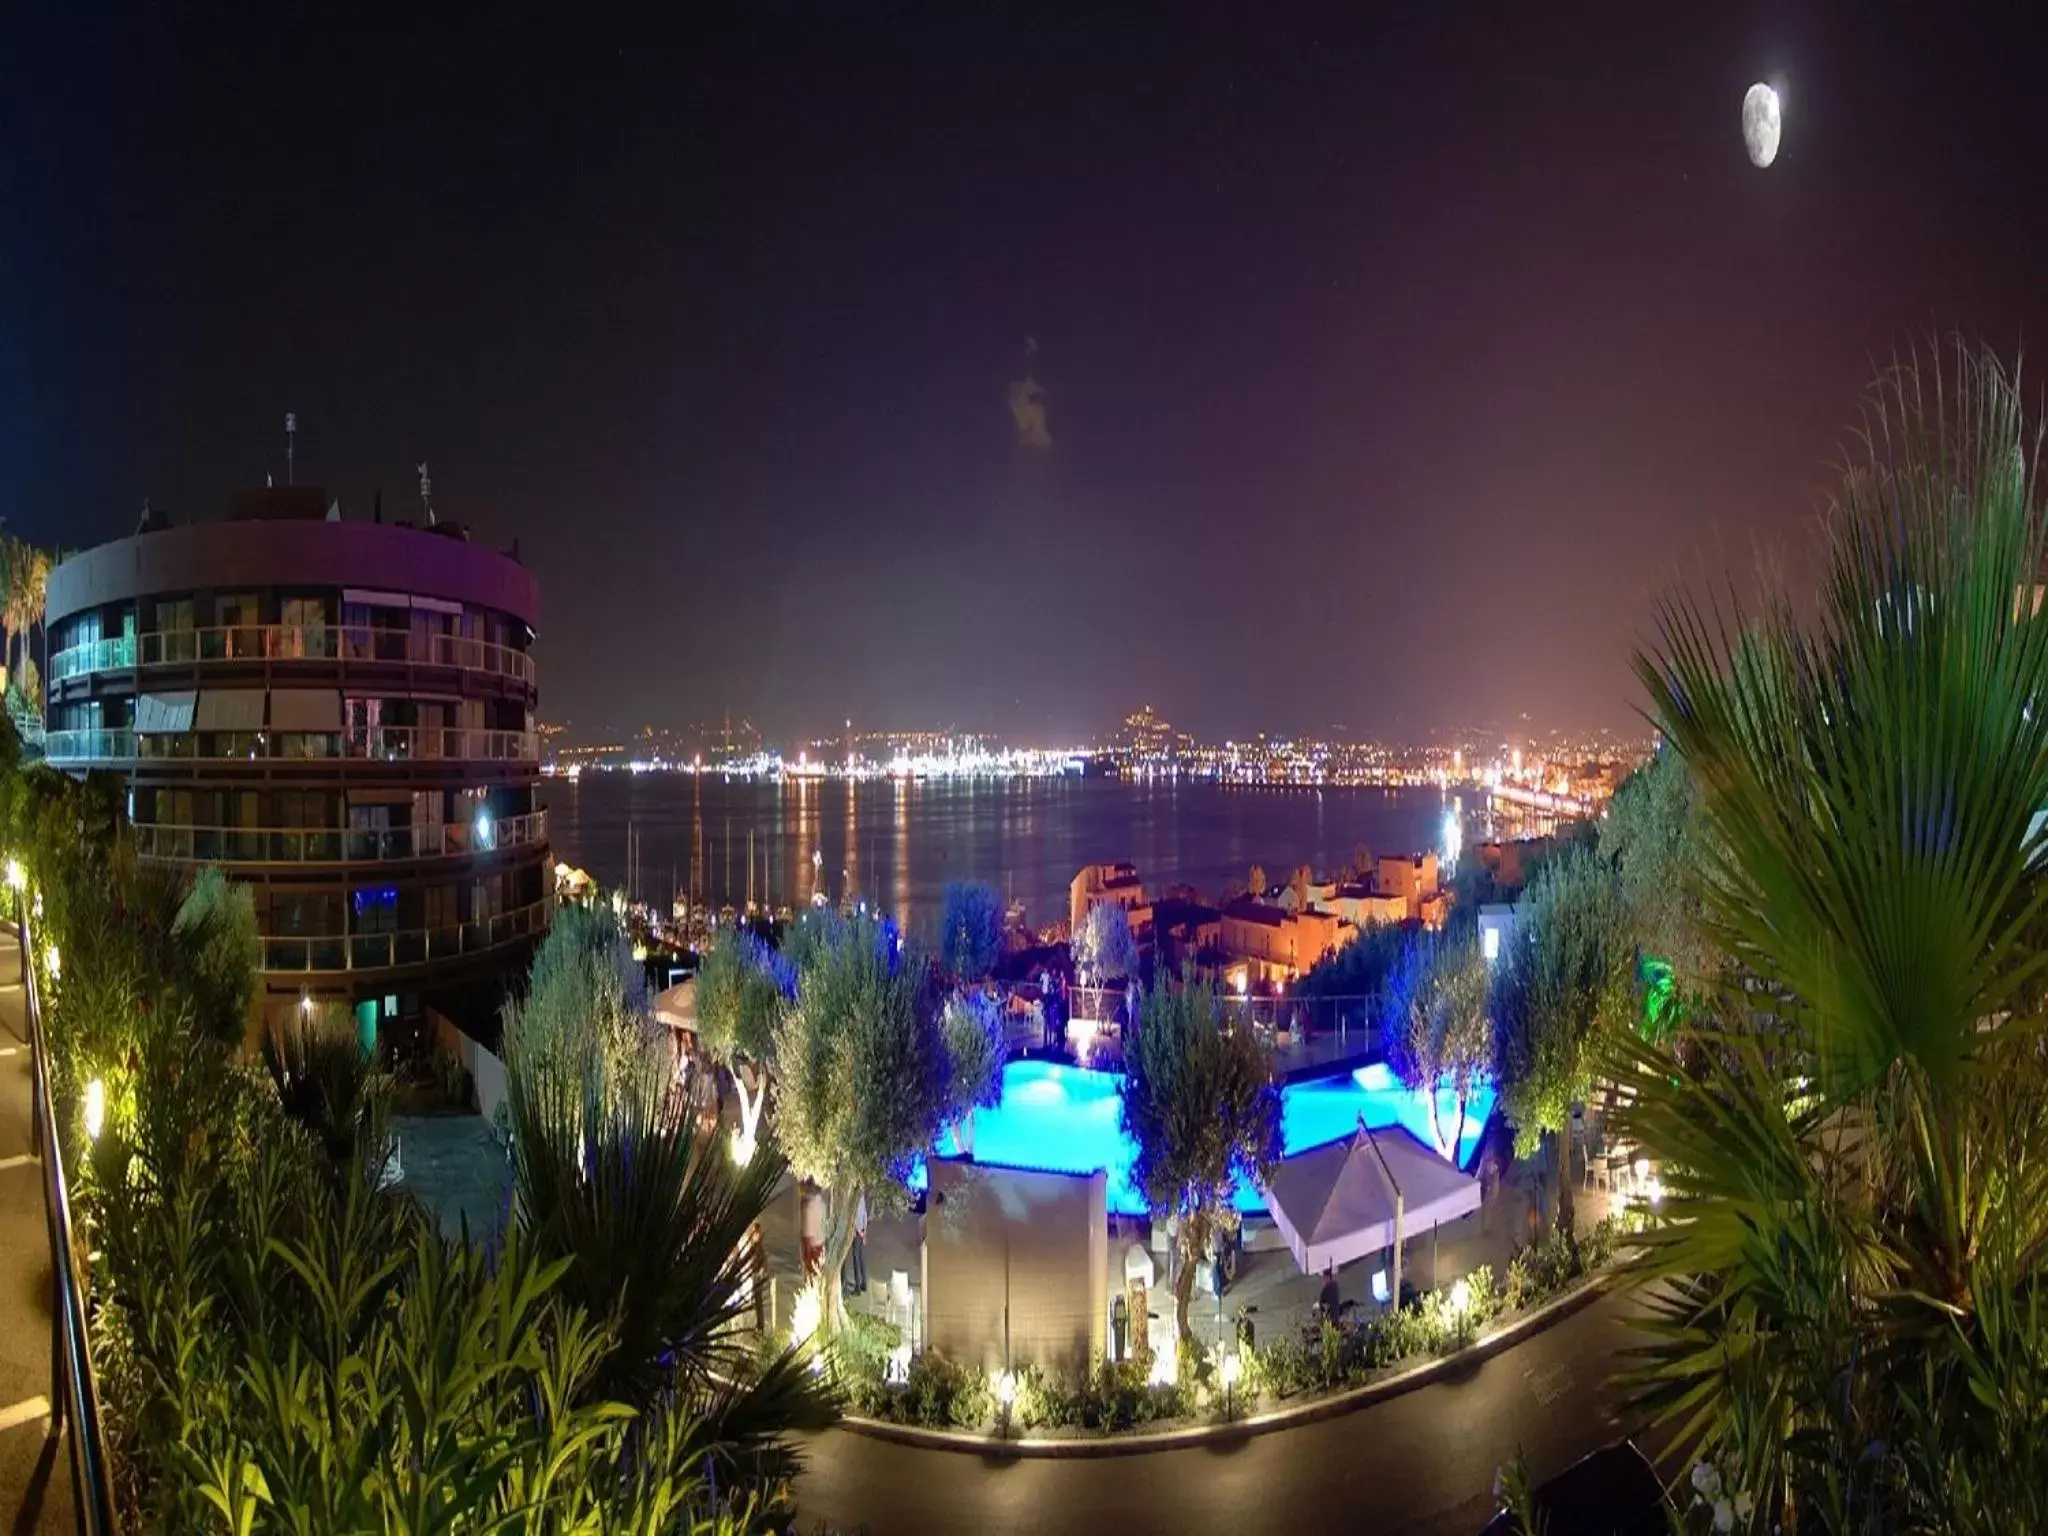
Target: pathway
[
  {"x": 1420, "y": 1464},
  {"x": 35, "y": 1471}
]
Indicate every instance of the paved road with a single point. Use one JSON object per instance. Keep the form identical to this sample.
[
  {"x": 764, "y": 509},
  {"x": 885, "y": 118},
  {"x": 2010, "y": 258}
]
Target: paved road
[{"x": 1421, "y": 1464}]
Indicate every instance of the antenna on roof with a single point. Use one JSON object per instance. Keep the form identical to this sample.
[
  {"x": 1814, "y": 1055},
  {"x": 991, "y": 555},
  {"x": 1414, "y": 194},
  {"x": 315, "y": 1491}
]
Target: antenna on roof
[
  {"x": 427, "y": 496},
  {"x": 291, "y": 433}
]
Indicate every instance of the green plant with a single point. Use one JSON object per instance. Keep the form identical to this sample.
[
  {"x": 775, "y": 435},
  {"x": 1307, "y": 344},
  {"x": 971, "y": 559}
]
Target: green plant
[
  {"x": 970, "y": 929},
  {"x": 1847, "y": 1269},
  {"x": 977, "y": 1045},
  {"x": 284, "y": 1345},
  {"x": 1564, "y": 974},
  {"x": 1440, "y": 1031},
  {"x": 450, "y": 1079},
  {"x": 652, "y": 1224},
  {"x": 1514, "y": 1490},
  {"x": 865, "y": 1076},
  {"x": 326, "y": 1078},
  {"x": 1201, "y": 1106}
]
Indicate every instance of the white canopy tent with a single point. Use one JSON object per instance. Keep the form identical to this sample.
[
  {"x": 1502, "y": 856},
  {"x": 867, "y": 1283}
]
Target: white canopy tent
[
  {"x": 1362, "y": 1195},
  {"x": 677, "y": 1007}
]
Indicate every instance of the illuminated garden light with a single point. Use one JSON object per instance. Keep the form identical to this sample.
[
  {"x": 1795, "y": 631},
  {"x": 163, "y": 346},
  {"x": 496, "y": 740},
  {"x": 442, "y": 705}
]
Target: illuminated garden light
[
  {"x": 17, "y": 877},
  {"x": 1460, "y": 1298},
  {"x": 95, "y": 1108},
  {"x": 805, "y": 1315}
]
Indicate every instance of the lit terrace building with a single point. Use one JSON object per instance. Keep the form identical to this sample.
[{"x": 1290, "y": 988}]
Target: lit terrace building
[{"x": 340, "y": 715}]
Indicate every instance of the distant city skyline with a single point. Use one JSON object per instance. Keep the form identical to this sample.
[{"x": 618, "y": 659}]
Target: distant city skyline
[
  {"x": 746, "y": 736},
  {"x": 579, "y": 734}
]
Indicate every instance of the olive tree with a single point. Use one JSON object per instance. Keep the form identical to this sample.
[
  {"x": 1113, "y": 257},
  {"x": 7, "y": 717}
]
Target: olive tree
[
  {"x": 1563, "y": 974},
  {"x": 970, "y": 929},
  {"x": 1103, "y": 947},
  {"x": 741, "y": 990},
  {"x": 1441, "y": 1034},
  {"x": 865, "y": 1078},
  {"x": 1201, "y": 1106}
]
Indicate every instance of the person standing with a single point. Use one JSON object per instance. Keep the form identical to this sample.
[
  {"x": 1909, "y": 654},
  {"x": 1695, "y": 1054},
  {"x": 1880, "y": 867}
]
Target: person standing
[
  {"x": 858, "y": 1259},
  {"x": 1330, "y": 1299}
]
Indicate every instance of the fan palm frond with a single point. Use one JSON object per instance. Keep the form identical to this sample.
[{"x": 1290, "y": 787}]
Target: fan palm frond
[
  {"x": 1871, "y": 780},
  {"x": 656, "y": 1224}
]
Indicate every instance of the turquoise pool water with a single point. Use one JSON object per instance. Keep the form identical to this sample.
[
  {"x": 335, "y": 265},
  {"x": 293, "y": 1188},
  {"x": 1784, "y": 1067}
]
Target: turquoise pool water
[{"x": 1062, "y": 1119}]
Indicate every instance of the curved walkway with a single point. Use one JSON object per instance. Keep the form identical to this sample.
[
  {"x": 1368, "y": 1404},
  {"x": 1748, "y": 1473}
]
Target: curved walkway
[
  {"x": 1421, "y": 1464},
  {"x": 35, "y": 1472}
]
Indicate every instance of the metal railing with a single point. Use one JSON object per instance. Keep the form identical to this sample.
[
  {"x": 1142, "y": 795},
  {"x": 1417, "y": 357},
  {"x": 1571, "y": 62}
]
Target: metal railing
[
  {"x": 344, "y": 643},
  {"x": 1301, "y": 1028},
  {"x": 320, "y": 953},
  {"x": 337, "y": 845},
  {"x": 74, "y": 1386},
  {"x": 387, "y": 743}
]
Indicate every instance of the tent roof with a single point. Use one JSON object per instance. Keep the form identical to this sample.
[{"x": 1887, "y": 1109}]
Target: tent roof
[
  {"x": 1341, "y": 1188},
  {"x": 677, "y": 1007}
]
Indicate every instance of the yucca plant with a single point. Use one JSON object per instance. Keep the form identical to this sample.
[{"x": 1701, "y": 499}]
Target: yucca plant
[
  {"x": 327, "y": 1079},
  {"x": 1855, "y": 1157}
]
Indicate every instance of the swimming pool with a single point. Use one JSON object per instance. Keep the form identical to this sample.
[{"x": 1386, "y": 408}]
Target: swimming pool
[{"x": 1061, "y": 1119}]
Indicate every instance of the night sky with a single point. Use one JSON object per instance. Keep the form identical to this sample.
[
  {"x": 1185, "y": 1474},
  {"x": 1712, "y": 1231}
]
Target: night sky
[{"x": 1393, "y": 365}]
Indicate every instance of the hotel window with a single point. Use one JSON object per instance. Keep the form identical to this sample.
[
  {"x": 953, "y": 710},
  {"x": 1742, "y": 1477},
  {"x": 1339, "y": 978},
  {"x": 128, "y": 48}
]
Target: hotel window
[
  {"x": 439, "y": 907},
  {"x": 302, "y": 628},
  {"x": 238, "y": 620},
  {"x": 176, "y": 621},
  {"x": 486, "y": 897},
  {"x": 363, "y": 723},
  {"x": 375, "y": 909},
  {"x": 308, "y": 914}
]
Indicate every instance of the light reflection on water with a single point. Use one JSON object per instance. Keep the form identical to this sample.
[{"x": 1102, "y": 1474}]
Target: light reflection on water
[{"x": 900, "y": 841}]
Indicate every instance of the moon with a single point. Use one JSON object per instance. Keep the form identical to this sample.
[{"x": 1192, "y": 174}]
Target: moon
[{"x": 1763, "y": 124}]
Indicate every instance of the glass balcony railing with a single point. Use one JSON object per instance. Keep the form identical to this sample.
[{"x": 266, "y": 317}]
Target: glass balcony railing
[
  {"x": 342, "y": 643},
  {"x": 337, "y": 845},
  {"x": 388, "y": 743},
  {"x": 309, "y": 954}
]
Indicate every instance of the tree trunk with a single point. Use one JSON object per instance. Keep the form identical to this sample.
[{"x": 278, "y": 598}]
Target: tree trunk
[
  {"x": 1194, "y": 1249},
  {"x": 751, "y": 1104},
  {"x": 838, "y": 1245},
  {"x": 1563, "y": 1211},
  {"x": 1458, "y": 1135}
]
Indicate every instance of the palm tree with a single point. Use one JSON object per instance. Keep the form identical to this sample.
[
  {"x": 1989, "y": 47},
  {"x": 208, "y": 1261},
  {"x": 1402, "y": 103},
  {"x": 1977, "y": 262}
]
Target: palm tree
[
  {"x": 28, "y": 584},
  {"x": 654, "y": 1223},
  {"x": 1847, "y": 1289}
]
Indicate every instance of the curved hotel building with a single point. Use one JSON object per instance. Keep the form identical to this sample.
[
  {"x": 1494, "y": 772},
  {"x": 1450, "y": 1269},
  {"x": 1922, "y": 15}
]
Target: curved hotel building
[{"x": 340, "y": 715}]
